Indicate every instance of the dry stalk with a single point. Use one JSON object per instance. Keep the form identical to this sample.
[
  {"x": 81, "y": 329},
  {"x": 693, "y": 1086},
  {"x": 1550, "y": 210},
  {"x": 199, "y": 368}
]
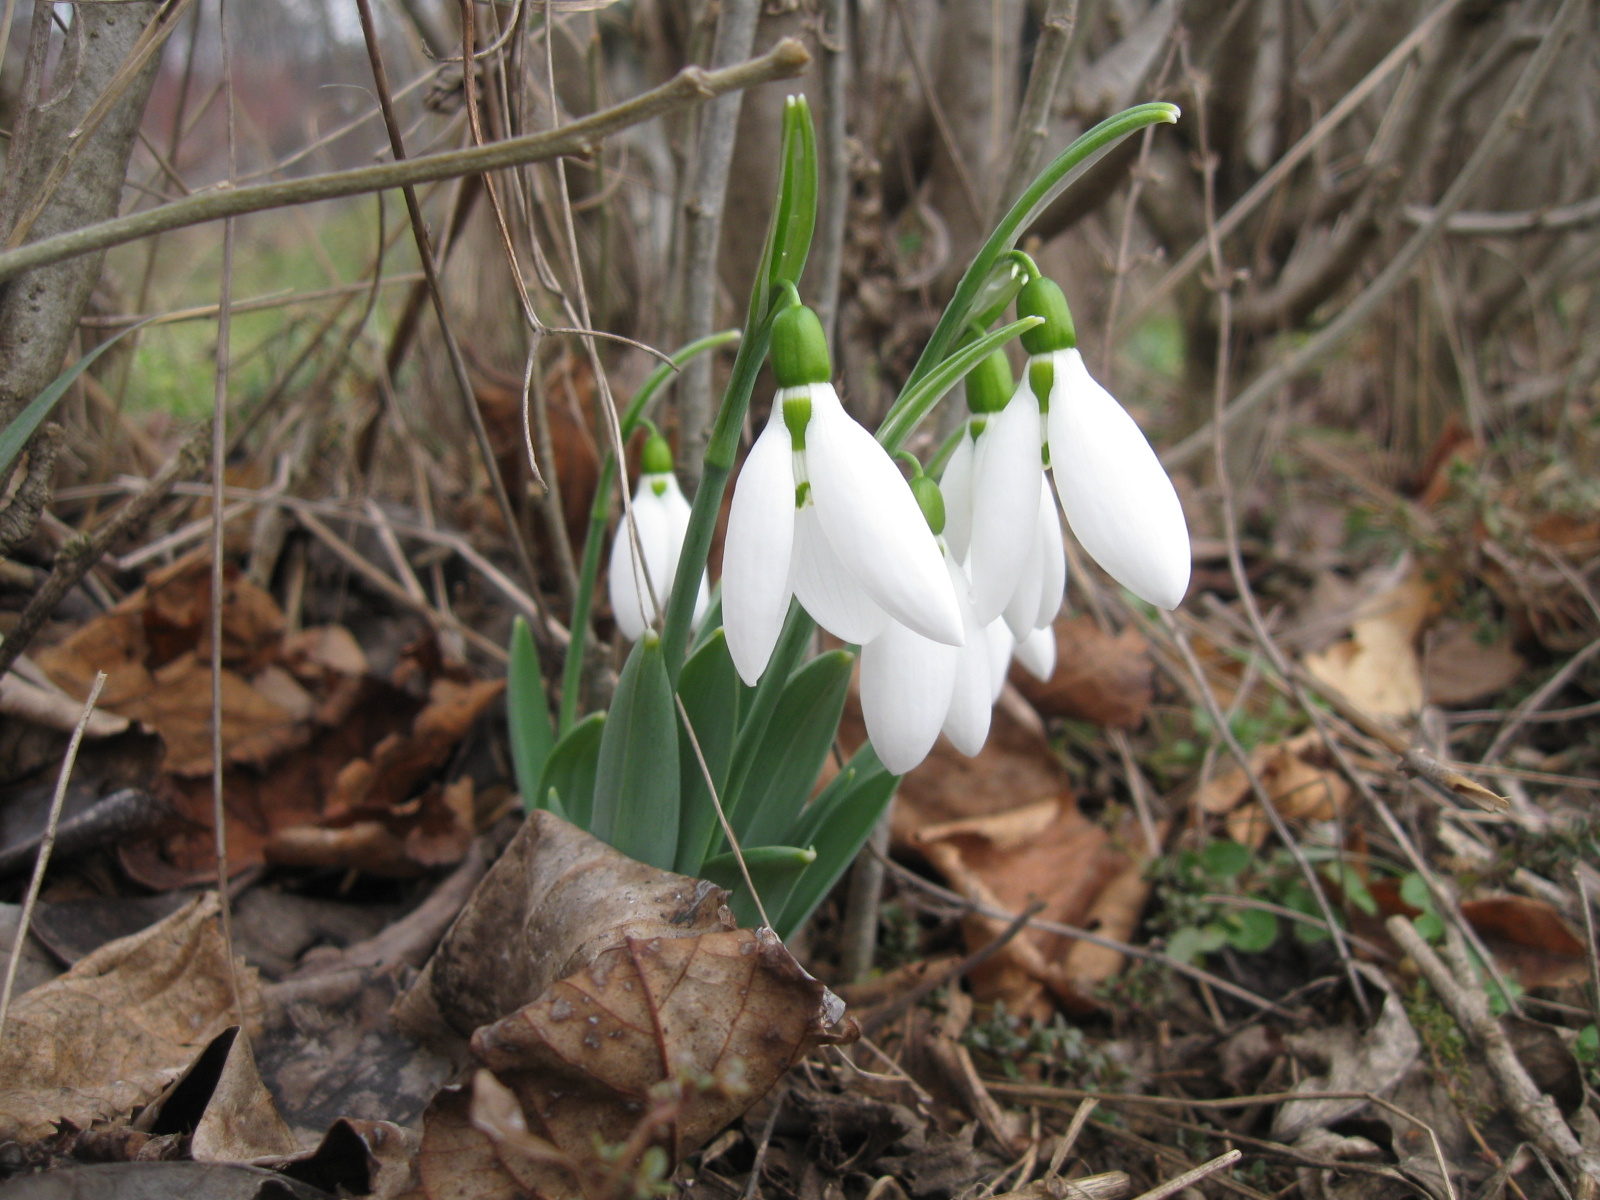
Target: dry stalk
[
  {"x": 1460, "y": 992},
  {"x": 1513, "y": 112},
  {"x": 46, "y": 846},
  {"x": 702, "y": 228},
  {"x": 691, "y": 85},
  {"x": 219, "y": 517},
  {"x": 1198, "y": 974}
]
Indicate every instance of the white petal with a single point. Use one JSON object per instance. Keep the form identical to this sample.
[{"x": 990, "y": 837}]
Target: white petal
[
  {"x": 906, "y": 681},
  {"x": 966, "y": 723},
  {"x": 825, "y": 589},
  {"x": 756, "y": 552},
  {"x": 956, "y": 486},
  {"x": 998, "y": 634},
  {"x": 630, "y": 598},
  {"x": 1052, "y": 558},
  {"x": 1037, "y": 653},
  {"x": 1118, "y": 499},
  {"x": 1022, "y": 610},
  {"x": 873, "y": 523},
  {"x": 702, "y": 600},
  {"x": 1005, "y": 502}
]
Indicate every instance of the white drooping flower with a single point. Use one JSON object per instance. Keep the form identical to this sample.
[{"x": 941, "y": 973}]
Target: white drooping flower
[
  {"x": 1037, "y": 653},
  {"x": 991, "y": 486},
  {"x": 821, "y": 513},
  {"x": 661, "y": 516},
  {"x": 1118, "y": 499},
  {"x": 913, "y": 688},
  {"x": 1039, "y": 592}
]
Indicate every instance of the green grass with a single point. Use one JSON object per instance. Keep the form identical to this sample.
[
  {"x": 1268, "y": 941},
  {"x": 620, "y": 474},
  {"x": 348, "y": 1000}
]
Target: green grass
[{"x": 172, "y": 366}]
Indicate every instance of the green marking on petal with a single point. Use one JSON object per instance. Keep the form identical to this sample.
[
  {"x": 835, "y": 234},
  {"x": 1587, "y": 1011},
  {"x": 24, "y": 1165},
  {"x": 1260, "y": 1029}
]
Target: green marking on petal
[
  {"x": 801, "y": 491},
  {"x": 797, "y": 415},
  {"x": 1042, "y": 379},
  {"x": 658, "y": 486}
]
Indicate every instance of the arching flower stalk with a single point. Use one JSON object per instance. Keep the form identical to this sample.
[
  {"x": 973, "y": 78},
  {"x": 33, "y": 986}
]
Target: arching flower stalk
[
  {"x": 821, "y": 513},
  {"x": 660, "y": 515}
]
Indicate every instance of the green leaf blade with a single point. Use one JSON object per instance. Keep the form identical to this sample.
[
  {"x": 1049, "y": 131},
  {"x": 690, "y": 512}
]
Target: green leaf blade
[
  {"x": 636, "y": 797},
  {"x": 709, "y": 688},
  {"x": 569, "y": 772},
  {"x": 528, "y": 723}
]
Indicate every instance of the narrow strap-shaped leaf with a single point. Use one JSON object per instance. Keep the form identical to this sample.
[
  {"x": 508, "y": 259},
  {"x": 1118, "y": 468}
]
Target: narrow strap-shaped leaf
[
  {"x": 840, "y": 824},
  {"x": 636, "y": 782},
  {"x": 527, "y": 715},
  {"x": 916, "y": 401},
  {"x": 785, "y": 763},
  {"x": 773, "y": 869},
  {"x": 23, "y": 426},
  {"x": 567, "y": 786},
  {"x": 709, "y": 688}
]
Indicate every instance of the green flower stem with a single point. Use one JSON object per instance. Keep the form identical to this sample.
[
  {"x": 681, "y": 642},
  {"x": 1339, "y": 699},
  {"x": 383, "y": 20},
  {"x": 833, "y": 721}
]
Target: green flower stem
[
  {"x": 1028, "y": 206},
  {"x": 918, "y": 399},
  {"x": 600, "y": 517},
  {"x": 720, "y": 455}
]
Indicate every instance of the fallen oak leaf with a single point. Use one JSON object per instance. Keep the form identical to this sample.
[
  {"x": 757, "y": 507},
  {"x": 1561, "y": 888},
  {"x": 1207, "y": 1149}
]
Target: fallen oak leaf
[{"x": 719, "y": 1017}]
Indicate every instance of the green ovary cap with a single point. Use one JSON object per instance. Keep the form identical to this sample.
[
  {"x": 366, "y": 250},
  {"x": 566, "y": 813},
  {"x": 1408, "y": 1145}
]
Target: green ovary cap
[
  {"x": 1042, "y": 298},
  {"x": 930, "y": 500},
  {"x": 657, "y": 456},
  {"x": 799, "y": 348},
  {"x": 989, "y": 384}
]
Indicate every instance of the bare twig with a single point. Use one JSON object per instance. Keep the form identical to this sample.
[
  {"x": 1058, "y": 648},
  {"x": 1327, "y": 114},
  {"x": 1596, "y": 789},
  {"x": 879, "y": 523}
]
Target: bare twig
[
  {"x": 702, "y": 205},
  {"x": 77, "y": 557},
  {"x": 1086, "y": 935},
  {"x": 834, "y": 150},
  {"x": 785, "y": 60},
  {"x": 458, "y": 365},
  {"x": 1033, "y": 122},
  {"x": 1175, "y": 1185},
  {"x": 45, "y": 847},
  {"x": 219, "y": 519},
  {"x": 1536, "y": 1113},
  {"x": 1513, "y": 112},
  {"x": 903, "y": 1003},
  {"x": 859, "y": 933},
  {"x": 1298, "y": 153}
]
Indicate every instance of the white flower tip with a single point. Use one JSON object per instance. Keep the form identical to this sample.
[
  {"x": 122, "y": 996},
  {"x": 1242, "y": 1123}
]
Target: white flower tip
[{"x": 1037, "y": 653}]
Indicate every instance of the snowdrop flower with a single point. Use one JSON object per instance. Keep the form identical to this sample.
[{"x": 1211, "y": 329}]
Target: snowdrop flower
[
  {"x": 1117, "y": 498},
  {"x": 661, "y": 515},
  {"x": 991, "y": 486},
  {"x": 821, "y": 513},
  {"x": 913, "y": 688}
]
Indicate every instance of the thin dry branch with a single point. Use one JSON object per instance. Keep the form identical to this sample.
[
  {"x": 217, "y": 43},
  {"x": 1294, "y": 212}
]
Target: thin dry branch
[
  {"x": 691, "y": 85},
  {"x": 1536, "y": 1113}
]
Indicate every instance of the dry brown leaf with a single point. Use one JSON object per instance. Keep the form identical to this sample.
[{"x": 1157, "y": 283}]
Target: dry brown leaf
[
  {"x": 1461, "y": 668},
  {"x": 720, "y": 1016},
  {"x": 1530, "y": 938},
  {"x": 553, "y": 902},
  {"x": 1377, "y": 667},
  {"x": 1303, "y": 786},
  {"x": 1047, "y": 851},
  {"x": 117, "y": 1027},
  {"x": 614, "y": 1001},
  {"x": 1099, "y": 677}
]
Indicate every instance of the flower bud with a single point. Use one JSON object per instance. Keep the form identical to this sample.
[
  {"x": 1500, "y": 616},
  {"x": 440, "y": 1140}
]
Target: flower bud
[
  {"x": 930, "y": 500},
  {"x": 799, "y": 348},
  {"x": 1041, "y": 297},
  {"x": 657, "y": 456}
]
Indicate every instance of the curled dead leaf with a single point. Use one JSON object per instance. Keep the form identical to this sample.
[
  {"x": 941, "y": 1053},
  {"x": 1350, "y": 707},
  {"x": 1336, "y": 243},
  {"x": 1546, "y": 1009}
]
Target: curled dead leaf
[
  {"x": 121, "y": 1024},
  {"x": 1298, "y": 777}
]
